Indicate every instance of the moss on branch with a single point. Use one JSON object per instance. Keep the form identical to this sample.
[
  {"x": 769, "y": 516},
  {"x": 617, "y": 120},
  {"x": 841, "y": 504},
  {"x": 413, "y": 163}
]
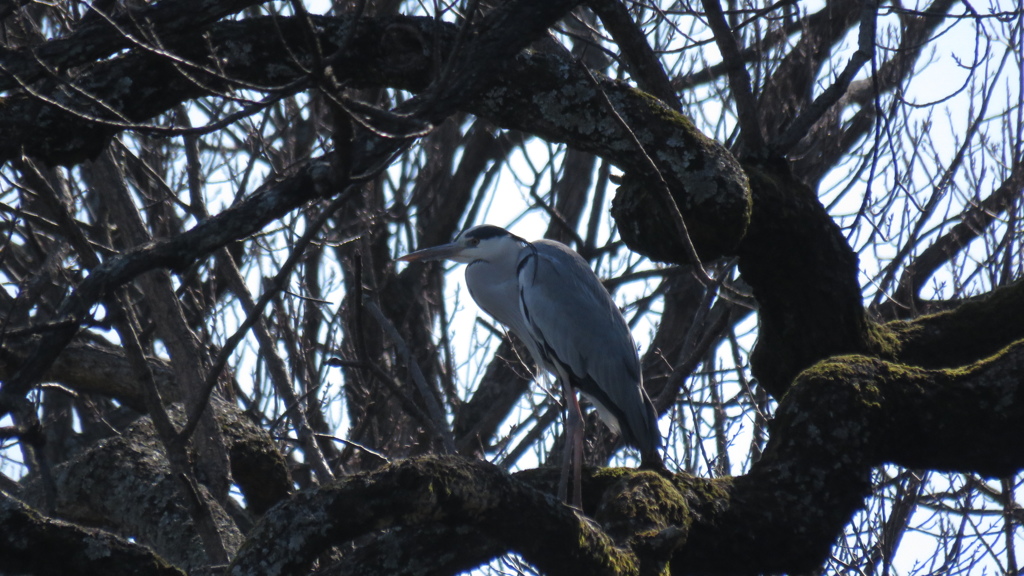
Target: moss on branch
[
  {"x": 427, "y": 491},
  {"x": 962, "y": 335},
  {"x": 659, "y": 149}
]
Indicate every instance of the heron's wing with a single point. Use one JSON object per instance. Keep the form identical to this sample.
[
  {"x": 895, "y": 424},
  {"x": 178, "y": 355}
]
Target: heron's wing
[{"x": 577, "y": 323}]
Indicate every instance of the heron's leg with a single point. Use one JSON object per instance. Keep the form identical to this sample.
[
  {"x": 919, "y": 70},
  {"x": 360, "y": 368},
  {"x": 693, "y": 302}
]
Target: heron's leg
[
  {"x": 563, "y": 479},
  {"x": 577, "y": 454},
  {"x": 572, "y": 455}
]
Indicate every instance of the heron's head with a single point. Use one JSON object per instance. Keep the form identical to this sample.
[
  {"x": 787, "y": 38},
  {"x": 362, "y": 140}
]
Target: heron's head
[{"x": 484, "y": 242}]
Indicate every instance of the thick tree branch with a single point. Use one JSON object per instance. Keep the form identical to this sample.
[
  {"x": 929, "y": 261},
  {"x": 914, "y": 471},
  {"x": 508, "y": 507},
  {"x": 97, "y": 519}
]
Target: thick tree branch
[
  {"x": 830, "y": 431},
  {"x": 93, "y": 368},
  {"x": 739, "y": 77},
  {"x": 955, "y": 419},
  {"x": 815, "y": 110},
  {"x": 177, "y": 253},
  {"x": 535, "y": 92},
  {"x": 561, "y": 101},
  {"x": 414, "y": 553},
  {"x": 833, "y": 426},
  {"x": 33, "y": 544},
  {"x": 640, "y": 60},
  {"x": 504, "y": 32},
  {"x": 827, "y": 140},
  {"x": 970, "y": 331},
  {"x": 787, "y": 92},
  {"x": 257, "y": 467},
  {"x": 99, "y": 35},
  {"x": 541, "y": 94},
  {"x": 973, "y": 222},
  {"x": 126, "y": 483},
  {"x": 449, "y": 490},
  {"x": 804, "y": 277},
  {"x": 940, "y": 392}
]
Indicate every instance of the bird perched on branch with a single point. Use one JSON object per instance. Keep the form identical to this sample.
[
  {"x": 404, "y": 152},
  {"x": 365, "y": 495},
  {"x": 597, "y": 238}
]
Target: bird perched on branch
[{"x": 549, "y": 297}]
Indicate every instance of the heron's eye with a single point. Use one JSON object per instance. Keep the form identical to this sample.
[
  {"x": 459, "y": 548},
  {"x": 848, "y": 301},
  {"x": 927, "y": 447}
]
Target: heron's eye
[{"x": 473, "y": 242}]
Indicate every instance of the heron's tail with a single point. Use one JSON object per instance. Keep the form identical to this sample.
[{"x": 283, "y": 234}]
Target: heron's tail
[{"x": 648, "y": 439}]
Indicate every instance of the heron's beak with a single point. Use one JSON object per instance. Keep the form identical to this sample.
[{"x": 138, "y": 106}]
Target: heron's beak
[{"x": 442, "y": 252}]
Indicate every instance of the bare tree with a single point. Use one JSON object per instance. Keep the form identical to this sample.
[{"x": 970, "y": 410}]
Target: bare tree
[{"x": 810, "y": 215}]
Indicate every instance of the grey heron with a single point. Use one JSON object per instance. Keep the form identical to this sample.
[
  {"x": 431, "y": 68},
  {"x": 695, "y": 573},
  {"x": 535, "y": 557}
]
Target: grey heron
[{"x": 548, "y": 296}]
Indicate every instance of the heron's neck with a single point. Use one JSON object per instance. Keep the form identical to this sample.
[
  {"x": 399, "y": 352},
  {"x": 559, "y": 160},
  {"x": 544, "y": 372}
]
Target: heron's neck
[{"x": 493, "y": 283}]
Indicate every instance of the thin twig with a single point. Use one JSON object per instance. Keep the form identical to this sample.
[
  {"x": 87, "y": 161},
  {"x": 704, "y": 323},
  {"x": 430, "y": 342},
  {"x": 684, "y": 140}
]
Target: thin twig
[
  {"x": 437, "y": 419},
  {"x": 810, "y": 115},
  {"x": 383, "y": 457},
  {"x": 739, "y": 78},
  {"x": 670, "y": 203},
  {"x": 253, "y": 316},
  {"x": 177, "y": 451}
]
